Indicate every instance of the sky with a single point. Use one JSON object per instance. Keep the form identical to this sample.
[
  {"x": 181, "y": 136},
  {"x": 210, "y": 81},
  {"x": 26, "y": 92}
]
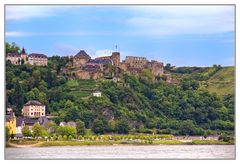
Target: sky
[{"x": 180, "y": 35}]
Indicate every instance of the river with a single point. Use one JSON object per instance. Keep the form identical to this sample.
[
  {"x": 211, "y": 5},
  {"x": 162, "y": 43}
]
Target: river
[{"x": 124, "y": 152}]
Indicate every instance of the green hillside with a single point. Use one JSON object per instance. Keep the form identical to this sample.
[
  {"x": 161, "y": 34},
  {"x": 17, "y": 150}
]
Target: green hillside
[
  {"x": 217, "y": 79},
  {"x": 136, "y": 105},
  {"x": 222, "y": 82}
]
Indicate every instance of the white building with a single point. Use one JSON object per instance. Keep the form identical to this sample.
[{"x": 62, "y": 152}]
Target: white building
[{"x": 97, "y": 94}]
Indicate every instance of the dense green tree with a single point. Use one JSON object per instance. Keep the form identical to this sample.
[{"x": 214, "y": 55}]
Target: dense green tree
[
  {"x": 187, "y": 127},
  {"x": 30, "y": 96},
  {"x": 26, "y": 131},
  {"x": 111, "y": 125},
  {"x": 98, "y": 126},
  {"x": 80, "y": 127},
  {"x": 122, "y": 127},
  {"x": 12, "y": 48},
  {"x": 66, "y": 130},
  {"x": 37, "y": 130}
]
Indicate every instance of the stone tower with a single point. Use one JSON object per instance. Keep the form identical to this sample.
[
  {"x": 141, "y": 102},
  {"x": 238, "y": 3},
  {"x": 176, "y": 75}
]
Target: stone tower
[
  {"x": 116, "y": 58},
  {"x": 23, "y": 54}
]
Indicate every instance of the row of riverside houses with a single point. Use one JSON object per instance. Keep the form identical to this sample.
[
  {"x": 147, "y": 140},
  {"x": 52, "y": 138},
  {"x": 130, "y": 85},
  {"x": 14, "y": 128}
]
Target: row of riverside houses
[
  {"x": 24, "y": 58},
  {"x": 33, "y": 111}
]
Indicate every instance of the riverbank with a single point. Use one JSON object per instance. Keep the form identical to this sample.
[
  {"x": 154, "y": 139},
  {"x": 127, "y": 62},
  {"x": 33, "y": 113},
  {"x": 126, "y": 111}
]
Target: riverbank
[{"x": 106, "y": 143}]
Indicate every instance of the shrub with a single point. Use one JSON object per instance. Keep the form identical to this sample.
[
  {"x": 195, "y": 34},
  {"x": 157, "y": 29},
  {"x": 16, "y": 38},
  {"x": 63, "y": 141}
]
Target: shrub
[
  {"x": 60, "y": 138},
  {"x": 64, "y": 137},
  {"x": 54, "y": 137}
]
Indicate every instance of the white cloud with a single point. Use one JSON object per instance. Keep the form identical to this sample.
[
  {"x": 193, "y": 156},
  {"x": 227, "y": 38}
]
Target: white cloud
[
  {"x": 61, "y": 33},
  {"x": 17, "y": 34},
  {"x": 29, "y": 11},
  {"x": 172, "y": 20},
  {"x": 100, "y": 53}
]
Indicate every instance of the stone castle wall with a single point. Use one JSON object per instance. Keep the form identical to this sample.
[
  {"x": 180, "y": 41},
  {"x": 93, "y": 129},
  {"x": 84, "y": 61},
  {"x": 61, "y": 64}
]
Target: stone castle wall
[
  {"x": 156, "y": 68},
  {"x": 136, "y": 62},
  {"x": 115, "y": 57},
  {"x": 78, "y": 62},
  {"x": 84, "y": 68}
]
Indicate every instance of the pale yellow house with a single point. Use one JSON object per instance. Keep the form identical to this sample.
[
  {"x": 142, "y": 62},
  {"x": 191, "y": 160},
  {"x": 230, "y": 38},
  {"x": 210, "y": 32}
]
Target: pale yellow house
[
  {"x": 33, "y": 109},
  {"x": 11, "y": 121}
]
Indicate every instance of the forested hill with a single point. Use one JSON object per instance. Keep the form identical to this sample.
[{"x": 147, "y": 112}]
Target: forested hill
[{"x": 134, "y": 104}]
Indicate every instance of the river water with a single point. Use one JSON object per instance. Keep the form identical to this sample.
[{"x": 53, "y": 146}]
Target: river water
[{"x": 124, "y": 152}]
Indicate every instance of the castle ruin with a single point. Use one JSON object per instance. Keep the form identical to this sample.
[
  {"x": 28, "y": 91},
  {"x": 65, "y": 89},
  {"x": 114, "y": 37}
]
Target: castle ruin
[{"x": 109, "y": 67}]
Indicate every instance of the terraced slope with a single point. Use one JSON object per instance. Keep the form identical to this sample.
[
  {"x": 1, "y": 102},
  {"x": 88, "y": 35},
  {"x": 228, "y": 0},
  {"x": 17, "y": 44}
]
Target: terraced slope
[{"x": 80, "y": 88}]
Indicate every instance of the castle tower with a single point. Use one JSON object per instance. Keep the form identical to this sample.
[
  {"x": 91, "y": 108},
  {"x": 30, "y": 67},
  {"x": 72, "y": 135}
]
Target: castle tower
[
  {"x": 23, "y": 54},
  {"x": 116, "y": 58}
]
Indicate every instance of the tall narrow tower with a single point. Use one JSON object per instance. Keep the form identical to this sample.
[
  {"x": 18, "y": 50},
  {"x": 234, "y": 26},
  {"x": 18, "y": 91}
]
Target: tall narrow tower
[{"x": 23, "y": 54}]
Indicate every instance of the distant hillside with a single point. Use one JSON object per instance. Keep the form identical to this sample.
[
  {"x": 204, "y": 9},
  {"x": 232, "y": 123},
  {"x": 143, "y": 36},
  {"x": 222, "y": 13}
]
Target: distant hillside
[
  {"x": 222, "y": 82},
  {"x": 219, "y": 80}
]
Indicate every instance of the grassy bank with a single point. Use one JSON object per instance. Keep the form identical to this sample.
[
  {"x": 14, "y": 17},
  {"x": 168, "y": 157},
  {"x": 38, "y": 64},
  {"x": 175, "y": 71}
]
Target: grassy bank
[
  {"x": 211, "y": 142},
  {"x": 143, "y": 142}
]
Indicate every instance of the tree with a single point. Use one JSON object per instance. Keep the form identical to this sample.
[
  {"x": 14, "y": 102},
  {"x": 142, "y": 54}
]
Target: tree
[
  {"x": 36, "y": 92},
  {"x": 87, "y": 116},
  {"x": 167, "y": 66},
  {"x": 111, "y": 126},
  {"x": 147, "y": 74},
  {"x": 43, "y": 86},
  {"x": 51, "y": 127},
  {"x": 37, "y": 130},
  {"x": 12, "y": 48},
  {"x": 30, "y": 95},
  {"x": 42, "y": 97},
  {"x": 17, "y": 97},
  {"x": 187, "y": 127},
  {"x": 26, "y": 131},
  {"x": 24, "y": 75},
  {"x": 65, "y": 137},
  {"x": 37, "y": 76},
  {"x": 54, "y": 136},
  {"x": 98, "y": 126},
  {"x": 80, "y": 127},
  {"x": 71, "y": 114},
  {"x": 66, "y": 130},
  {"x": 22, "y": 61},
  {"x": 122, "y": 127}
]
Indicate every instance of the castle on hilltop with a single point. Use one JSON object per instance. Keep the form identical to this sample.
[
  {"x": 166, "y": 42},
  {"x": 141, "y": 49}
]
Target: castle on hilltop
[{"x": 82, "y": 66}]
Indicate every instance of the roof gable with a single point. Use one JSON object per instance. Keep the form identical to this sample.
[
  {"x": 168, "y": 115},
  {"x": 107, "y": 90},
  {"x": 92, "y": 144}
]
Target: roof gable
[{"x": 82, "y": 54}]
